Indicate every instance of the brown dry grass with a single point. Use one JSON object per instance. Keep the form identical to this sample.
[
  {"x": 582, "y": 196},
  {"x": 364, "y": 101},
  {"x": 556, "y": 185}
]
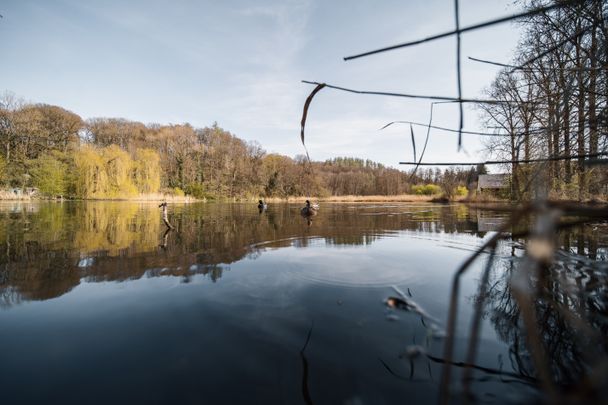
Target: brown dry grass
[{"x": 359, "y": 198}]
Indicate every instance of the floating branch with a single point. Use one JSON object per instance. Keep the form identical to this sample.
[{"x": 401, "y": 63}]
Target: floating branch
[
  {"x": 502, "y": 162},
  {"x": 418, "y": 96},
  {"x": 305, "y": 113},
  {"x": 470, "y": 28}
]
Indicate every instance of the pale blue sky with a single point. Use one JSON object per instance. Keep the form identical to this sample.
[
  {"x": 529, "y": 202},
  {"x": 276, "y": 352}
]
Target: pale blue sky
[{"x": 240, "y": 63}]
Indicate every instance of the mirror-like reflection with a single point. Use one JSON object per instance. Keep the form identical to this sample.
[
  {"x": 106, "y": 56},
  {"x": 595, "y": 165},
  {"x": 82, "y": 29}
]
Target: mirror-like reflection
[
  {"x": 571, "y": 311},
  {"x": 281, "y": 307},
  {"x": 46, "y": 249}
]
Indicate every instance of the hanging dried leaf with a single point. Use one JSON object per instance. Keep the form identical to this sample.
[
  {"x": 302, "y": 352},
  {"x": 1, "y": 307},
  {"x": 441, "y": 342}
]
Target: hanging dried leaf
[
  {"x": 305, "y": 113},
  {"x": 413, "y": 141},
  {"x": 426, "y": 141}
]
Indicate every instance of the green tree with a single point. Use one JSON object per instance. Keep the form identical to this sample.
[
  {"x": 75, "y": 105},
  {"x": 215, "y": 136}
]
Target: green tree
[
  {"x": 49, "y": 175},
  {"x": 3, "y": 174}
]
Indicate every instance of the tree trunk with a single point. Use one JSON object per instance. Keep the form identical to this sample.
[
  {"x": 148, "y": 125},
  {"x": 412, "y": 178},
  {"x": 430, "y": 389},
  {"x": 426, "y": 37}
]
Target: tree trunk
[
  {"x": 580, "y": 135},
  {"x": 566, "y": 124},
  {"x": 593, "y": 133}
]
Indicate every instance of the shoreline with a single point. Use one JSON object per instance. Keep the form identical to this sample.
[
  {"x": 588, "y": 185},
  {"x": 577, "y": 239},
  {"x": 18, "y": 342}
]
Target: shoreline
[
  {"x": 485, "y": 201},
  {"x": 362, "y": 199},
  {"x": 150, "y": 199}
]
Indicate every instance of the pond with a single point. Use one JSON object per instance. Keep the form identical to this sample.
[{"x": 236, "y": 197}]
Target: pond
[{"x": 100, "y": 304}]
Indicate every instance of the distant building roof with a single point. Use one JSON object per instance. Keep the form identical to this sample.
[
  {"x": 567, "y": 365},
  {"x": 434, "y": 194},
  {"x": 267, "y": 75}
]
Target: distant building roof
[{"x": 492, "y": 181}]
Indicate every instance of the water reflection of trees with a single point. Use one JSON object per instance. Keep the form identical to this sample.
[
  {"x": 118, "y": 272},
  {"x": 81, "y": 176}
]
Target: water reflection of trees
[
  {"x": 45, "y": 252},
  {"x": 571, "y": 312}
]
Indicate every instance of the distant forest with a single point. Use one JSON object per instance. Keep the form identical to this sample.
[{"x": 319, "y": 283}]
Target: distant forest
[{"x": 60, "y": 154}]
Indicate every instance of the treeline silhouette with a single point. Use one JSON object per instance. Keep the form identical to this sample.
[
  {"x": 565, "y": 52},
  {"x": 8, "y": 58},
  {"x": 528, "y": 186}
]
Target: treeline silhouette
[{"x": 56, "y": 151}]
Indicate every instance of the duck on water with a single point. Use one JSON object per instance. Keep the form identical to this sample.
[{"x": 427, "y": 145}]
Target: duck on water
[
  {"x": 310, "y": 209},
  {"x": 262, "y": 206}
]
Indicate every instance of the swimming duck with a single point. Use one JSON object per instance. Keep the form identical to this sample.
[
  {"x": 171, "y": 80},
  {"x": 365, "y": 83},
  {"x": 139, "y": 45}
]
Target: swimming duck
[
  {"x": 309, "y": 210},
  {"x": 262, "y": 205}
]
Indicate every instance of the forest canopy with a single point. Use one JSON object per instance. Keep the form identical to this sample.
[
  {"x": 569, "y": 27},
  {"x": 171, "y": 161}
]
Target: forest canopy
[{"x": 60, "y": 154}]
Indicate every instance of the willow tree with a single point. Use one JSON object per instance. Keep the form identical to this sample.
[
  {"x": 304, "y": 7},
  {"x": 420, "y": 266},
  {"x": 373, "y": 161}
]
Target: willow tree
[
  {"x": 118, "y": 167},
  {"x": 146, "y": 171},
  {"x": 91, "y": 179}
]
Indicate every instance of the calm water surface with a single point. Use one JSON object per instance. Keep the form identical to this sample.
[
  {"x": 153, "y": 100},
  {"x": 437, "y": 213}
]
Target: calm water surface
[{"x": 98, "y": 304}]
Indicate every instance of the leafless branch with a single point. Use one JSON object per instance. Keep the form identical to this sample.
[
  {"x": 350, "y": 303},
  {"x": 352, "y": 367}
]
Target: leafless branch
[{"x": 485, "y": 24}]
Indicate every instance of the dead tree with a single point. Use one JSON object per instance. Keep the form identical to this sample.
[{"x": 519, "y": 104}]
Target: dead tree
[{"x": 165, "y": 218}]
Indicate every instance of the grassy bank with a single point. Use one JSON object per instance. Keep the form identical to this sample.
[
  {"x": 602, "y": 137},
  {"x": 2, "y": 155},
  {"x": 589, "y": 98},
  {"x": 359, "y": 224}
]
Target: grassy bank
[
  {"x": 360, "y": 198},
  {"x": 153, "y": 197}
]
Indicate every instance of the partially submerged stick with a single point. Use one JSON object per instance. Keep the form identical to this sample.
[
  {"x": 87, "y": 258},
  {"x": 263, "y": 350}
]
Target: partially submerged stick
[{"x": 165, "y": 219}]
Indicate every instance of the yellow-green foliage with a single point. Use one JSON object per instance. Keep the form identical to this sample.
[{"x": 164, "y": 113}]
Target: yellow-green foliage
[
  {"x": 118, "y": 165},
  {"x": 90, "y": 175},
  {"x": 49, "y": 175},
  {"x": 111, "y": 172},
  {"x": 461, "y": 191},
  {"x": 147, "y": 171},
  {"x": 426, "y": 189},
  {"x": 178, "y": 192}
]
